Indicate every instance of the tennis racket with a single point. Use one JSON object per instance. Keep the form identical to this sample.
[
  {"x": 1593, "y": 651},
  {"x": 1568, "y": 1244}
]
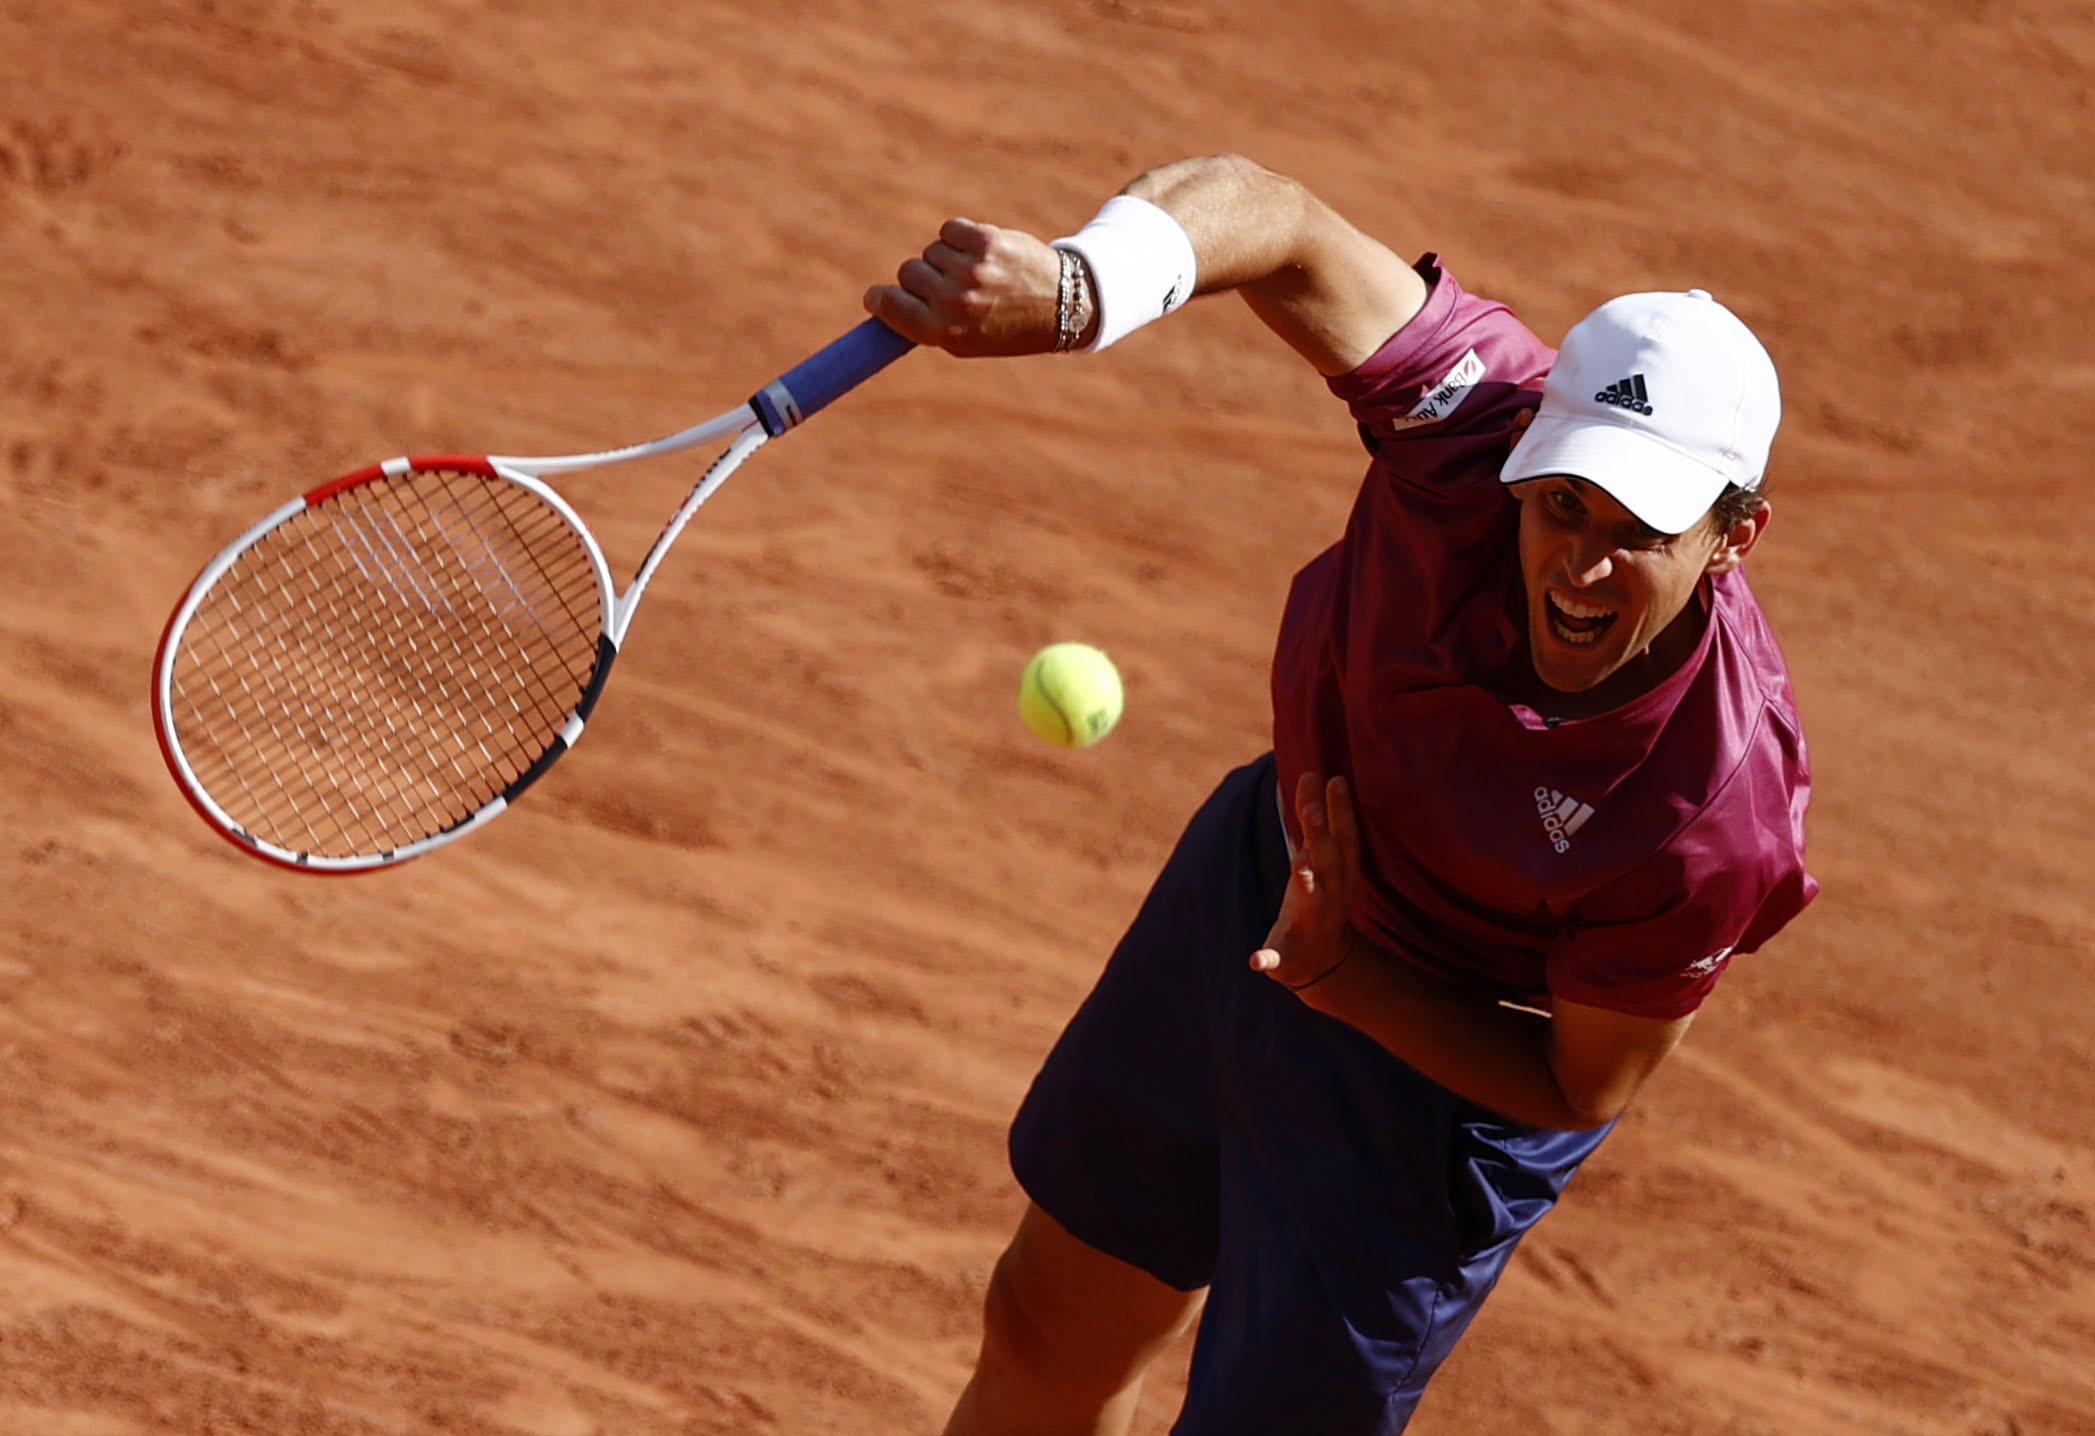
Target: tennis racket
[{"x": 388, "y": 661}]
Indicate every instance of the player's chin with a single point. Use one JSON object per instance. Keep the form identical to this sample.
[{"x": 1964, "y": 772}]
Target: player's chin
[{"x": 1570, "y": 664}]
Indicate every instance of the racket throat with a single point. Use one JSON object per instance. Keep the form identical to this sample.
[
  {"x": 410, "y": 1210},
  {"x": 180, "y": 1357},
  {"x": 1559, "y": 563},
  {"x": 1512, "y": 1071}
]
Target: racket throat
[{"x": 746, "y": 443}]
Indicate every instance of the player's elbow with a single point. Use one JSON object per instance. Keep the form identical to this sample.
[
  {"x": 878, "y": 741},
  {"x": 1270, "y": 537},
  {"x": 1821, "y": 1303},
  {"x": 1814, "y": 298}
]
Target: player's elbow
[
  {"x": 1237, "y": 187},
  {"x": 1599, "y": 1059},
  {"x": 1588, "y": 1113},
  {"x": 1594, "y": 1103}
]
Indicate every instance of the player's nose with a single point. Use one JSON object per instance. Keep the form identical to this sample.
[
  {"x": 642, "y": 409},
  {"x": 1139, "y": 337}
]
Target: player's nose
[{"x": 1590, "y": 563}]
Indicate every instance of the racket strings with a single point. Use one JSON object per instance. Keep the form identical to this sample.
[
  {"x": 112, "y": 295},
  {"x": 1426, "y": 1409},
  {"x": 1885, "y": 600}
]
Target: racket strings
[
  {"x": 417, "y": 718},
  {"x": 379, "y": 667}
]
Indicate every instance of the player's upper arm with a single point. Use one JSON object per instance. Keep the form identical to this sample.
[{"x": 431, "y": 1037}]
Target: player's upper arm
[
  {"x": 1600, "y": 1058},
  {"x": 1342, "y": 299},
  {"x": 1333, "y": 293}
]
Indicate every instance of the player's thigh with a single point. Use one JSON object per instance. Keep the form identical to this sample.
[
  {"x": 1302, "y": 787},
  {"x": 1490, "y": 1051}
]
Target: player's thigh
[
  {"x": 1067, "y": 1313},
  {"x": 1117, "y": 1137}
]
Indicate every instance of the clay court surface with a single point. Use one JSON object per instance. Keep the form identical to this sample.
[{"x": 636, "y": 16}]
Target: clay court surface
[{"x": 674, "y": 1102}]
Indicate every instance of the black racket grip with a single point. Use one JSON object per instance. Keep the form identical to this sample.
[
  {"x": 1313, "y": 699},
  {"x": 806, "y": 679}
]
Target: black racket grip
[{"x": 827, "y": 375}]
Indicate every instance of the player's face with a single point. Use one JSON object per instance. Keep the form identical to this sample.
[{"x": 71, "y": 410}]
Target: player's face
[{"x": 1604, "y": 588}]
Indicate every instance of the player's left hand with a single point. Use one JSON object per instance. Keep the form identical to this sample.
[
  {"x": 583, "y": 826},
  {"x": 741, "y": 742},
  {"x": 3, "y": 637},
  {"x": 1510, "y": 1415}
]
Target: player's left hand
[{"x": 1314, "y": 931}]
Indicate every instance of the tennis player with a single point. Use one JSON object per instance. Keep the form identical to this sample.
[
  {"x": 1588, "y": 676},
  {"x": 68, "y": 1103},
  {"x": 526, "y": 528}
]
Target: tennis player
[{"x": 1537, "y": 777}]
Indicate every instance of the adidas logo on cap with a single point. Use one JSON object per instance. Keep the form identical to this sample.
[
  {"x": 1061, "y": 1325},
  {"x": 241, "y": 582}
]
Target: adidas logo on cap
[{"x": 1626, "y": 394}]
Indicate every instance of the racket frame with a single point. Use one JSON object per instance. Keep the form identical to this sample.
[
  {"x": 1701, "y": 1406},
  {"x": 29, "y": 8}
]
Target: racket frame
[
  {"x": 223, "y": 822},
  {"x": 780, "y": 405}
]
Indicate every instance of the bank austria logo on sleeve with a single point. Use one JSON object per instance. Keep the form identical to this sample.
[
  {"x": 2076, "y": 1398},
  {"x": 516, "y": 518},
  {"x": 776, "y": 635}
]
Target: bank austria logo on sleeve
[{"x": 1445, "y": 397}]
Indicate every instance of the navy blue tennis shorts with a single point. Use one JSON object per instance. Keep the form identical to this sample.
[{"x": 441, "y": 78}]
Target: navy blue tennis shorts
[{"x": 1195, "y": 1119}]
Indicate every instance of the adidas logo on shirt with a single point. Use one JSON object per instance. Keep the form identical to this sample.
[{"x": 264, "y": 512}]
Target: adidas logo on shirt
[
  {"x": 1626, "y": 394},
  {"x": 1561, "y": 816}
]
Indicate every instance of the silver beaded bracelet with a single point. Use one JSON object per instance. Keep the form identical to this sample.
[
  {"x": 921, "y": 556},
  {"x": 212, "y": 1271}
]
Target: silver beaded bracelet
[
  {"x": 1139, "y": 265},
  {"x": 1066, "y": 330}
]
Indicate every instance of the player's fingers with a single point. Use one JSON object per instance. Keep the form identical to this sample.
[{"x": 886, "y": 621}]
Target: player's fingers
[
  {"x": 948, "y": 260},
  {"x": 925, "y": 280},
  {"x": 1344, "y": 824},
  {"x": 943, "y": 312},
  {"x": 967, "y": 237},
  {"x": 1308, "y": 812},
  {"x": 1280, "y": 938},
  {"x": 1272, "y": 954},
  {"x": 1321, "y": 846},
  {"x": 901, "y": 311}
]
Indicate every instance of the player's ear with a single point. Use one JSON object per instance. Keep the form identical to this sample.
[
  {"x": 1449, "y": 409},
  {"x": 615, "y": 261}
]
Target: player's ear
[{"x": 1737, "y": 541}]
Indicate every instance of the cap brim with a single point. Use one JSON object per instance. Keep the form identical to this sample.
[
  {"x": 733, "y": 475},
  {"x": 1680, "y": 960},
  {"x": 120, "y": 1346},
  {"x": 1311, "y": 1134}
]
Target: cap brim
[{"x": 1656, "y": 482}]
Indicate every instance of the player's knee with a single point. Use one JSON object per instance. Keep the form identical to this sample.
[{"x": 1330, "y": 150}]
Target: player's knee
[
  {"x": 1070, "y": 1326},
  {"x": 1076, "y": 1337},
  {"x": 1035, "y": 1339}
]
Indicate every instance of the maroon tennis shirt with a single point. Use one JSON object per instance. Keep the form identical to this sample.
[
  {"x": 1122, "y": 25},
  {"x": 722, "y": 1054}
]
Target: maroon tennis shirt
[{"x": 1616, "y": 861}]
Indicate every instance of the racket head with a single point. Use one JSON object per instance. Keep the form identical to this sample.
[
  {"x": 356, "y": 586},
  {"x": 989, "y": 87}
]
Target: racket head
[{"x": 384, "y": 663}]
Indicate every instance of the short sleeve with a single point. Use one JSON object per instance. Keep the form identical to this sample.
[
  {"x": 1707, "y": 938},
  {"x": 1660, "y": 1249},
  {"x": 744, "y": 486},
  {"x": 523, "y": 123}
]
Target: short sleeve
[
  {"x": 1460, "y": 368},
  {"x": 1654, "y": 943}
]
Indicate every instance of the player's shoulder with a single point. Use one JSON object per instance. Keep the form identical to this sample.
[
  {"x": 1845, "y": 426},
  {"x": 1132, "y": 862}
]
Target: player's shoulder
[
  {"x": 1755, "y": 671},
  {"x": 1752, "y": 774},
  {"x": 1464, "y": 362}
]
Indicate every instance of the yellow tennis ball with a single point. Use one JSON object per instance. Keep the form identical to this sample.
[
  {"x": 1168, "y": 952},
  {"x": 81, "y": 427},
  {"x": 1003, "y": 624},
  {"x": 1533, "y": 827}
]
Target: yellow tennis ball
[{"x": 1070, "y": 694}]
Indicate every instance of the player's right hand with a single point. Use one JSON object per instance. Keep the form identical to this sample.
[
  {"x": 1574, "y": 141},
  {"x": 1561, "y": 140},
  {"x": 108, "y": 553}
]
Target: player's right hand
[
  {"x": 1313, "y": 935},
  {"x": 977, "y": 290}
]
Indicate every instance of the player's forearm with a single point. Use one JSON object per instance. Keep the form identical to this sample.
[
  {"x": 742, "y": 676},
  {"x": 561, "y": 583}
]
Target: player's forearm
[{"x": 1493, "y": 1055}]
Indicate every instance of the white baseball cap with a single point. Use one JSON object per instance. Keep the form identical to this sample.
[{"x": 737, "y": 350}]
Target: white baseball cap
[{"x": 1660, "y": 399}]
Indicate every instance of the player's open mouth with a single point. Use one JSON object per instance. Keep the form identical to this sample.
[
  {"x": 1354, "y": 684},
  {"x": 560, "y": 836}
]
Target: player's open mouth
[{"x": 1575, "y": 622}]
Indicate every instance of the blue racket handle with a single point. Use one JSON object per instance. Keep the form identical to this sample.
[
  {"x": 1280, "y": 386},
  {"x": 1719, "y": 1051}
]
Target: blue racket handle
[{"x": 826, "y": 375}]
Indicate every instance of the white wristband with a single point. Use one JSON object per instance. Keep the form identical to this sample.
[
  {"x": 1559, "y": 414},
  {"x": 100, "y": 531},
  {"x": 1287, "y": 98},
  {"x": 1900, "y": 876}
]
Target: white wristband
[{"x": 1141, "y": 262}]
